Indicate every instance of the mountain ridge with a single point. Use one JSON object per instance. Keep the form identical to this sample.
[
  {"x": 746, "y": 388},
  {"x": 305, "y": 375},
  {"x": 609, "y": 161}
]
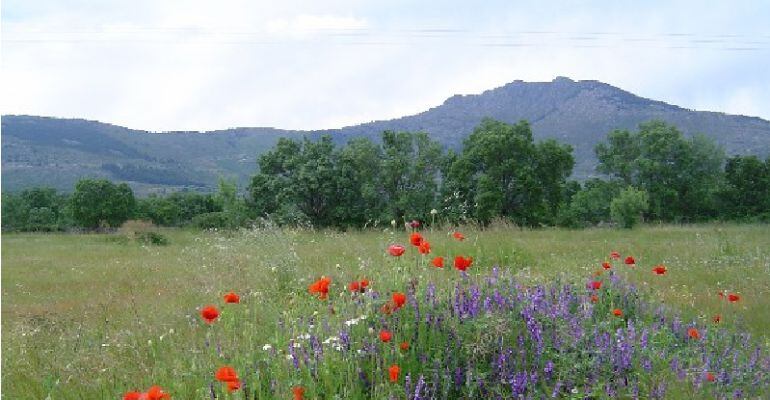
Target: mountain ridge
[{"x": 56, "y": 151}]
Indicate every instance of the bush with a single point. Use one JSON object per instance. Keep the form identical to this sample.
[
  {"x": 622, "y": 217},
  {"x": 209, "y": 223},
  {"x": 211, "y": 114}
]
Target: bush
[
  {"x": 212, "y": 220},
  {"x": 153, "y": 238},
  {"x": 626, "y": 209}
]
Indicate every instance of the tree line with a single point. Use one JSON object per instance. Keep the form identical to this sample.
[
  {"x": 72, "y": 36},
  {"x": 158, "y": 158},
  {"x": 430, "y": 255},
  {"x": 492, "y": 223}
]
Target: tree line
[{"x": 654, "y": 173}]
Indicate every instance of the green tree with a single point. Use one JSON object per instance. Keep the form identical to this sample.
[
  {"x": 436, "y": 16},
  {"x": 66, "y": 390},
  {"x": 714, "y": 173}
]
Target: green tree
[
  {"x": 97, "y": 202},
  {"x": 680, "y": 175},
  {"x": 410, "y": 169},
  {"x": 504, "y": 173},
  {"x": 591, "y": 204},
  {"x": 746, "y": 192},
  {"x": 626, "y": 209}
]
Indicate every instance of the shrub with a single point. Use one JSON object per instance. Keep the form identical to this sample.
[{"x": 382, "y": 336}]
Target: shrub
[{"x": 626, "y": 209}]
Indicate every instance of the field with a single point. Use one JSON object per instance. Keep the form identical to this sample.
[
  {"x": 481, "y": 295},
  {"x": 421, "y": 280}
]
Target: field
[{"x": 93, "y": 316}]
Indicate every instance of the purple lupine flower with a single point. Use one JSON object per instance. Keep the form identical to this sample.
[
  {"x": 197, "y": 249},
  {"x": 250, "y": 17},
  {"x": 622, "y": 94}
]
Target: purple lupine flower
[
  {"x": 548, "y": 370},
  {"x": 419, "y": 388},
  {"x": 293, "y": 353}
]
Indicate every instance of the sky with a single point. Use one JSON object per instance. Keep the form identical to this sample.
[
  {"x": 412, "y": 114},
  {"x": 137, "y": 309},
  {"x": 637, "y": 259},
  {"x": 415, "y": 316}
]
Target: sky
[{"x": 206, "y": 65}]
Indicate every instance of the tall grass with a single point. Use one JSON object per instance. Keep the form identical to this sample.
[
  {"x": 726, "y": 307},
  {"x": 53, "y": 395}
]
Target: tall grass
[{"x": 88, "y": 317}]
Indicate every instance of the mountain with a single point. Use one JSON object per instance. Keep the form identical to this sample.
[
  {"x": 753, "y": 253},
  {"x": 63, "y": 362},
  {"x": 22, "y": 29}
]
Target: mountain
[{"x": 56, "y": 152}]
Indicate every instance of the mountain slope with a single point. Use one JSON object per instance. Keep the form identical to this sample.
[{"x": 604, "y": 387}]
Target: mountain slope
[{"x": 56, "y": 152}]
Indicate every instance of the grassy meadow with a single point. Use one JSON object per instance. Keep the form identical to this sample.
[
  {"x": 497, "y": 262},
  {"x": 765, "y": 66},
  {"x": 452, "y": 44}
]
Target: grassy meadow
[{"x": 93, "y": 316}]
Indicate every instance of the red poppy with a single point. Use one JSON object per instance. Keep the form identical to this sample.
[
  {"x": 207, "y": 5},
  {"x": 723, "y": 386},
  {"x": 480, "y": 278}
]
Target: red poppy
[
  {"x": 617, "y": 312},
  {"x": 693, "y": 333},
  {"x": 385, "y": 336},
  {"x": 209, "y": 314},
  {"x": 710, "y": 377},
  {"x": 132, "y": 396},
  {"x": 396, "y": 250},
  {"x": 660, "y": 269},
  {"x": 232, "y": 298},
  {"x": 462, "y": 263},
  {"x": 320, "y": 287},
  {"x": 233, "y": 386},
  {"x": 615, "y": 255},
  {"x": 732, "y": 297},
  {"x": 595, "y": 285},
  {"x": 354, "y": 286},
  {"x": 594, "y": 298},
  {"x": 364, "y": 283},
  {"x": 393, "y": 371},
  {"x": 717, "y": 319},
  {"x": 226, "y": 374},
  {"x": 424, "y": 248},
  {"x": 404, "y": 346},
  {"x": 606, "y": 265},
  {"x": 399, "y": 299},
  {"x": 156, "y": 393},
  {"x": 415, "y": 238},
  {"x": 630, "y": 261},
  {"x": 299, "y": 392},
  {"x": 459, "y": 236},
  {"x": 721, "y": 295}
]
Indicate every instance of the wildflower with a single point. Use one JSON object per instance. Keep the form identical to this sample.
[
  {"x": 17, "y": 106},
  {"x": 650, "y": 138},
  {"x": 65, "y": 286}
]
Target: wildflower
[
  {"x": 660, "y": 269},
  {"x": 438, "y": 262},
  {"x": 721, "y": 295},
  {"x": 393, "y": 222},
  {"x": 615, "y": 255},
  {"x": 596, "y": 285},
  {"x": 462, "y": 263},
  {"x": 233, "y": 386},
  {"x": 594, "y": 298},
  {"x": 393, "y": 371},
  {"x": 399, "y": 299},
  {"x": 385, "y": 336},
  {"x": 132, "y": 396},
  {"x": 459, "y": 236},
  {"x": 320, "y": 287},
  {"x": 404, "y": 346},
  {"x": 364, "y": 284},
  {"x": 299, "y": 392},
  {"x": 617, "y": 312},
  {"x": 424, "y": 247},
  {"x": 433, "y": 212},
  {"x": 630, "y": 261},
  {"x": 606, "y": 265},
  {"x": 232, "y": 298},
  {"x": 416, "y": 239},
  {"x": 732, "y": 297},
  {"x": 226, "y": 374},
  {"x": 354, "y": 286},
  {"x": 155, "y": 393},
  {"x": 710, "y": 377},
  {"x": 693, "y": 333},
  {"x": 717, "y": 319},
  {"x": 396, "y": 250},
  {"x": 414, "y": 224},
  {"x": 209, "y": 314}
]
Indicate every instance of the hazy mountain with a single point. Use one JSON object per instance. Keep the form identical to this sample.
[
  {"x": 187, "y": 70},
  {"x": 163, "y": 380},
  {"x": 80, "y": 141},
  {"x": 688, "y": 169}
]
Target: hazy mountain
[{"x": 56, "y": 152}]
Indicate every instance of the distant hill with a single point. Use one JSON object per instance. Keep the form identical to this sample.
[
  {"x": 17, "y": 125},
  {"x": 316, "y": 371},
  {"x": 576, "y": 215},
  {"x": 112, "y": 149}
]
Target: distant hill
[{"x": 57, "y": 152}]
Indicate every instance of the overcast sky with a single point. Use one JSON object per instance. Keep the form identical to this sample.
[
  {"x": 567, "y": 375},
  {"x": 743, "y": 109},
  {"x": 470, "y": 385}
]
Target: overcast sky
[{"x": 204, "y": 65}]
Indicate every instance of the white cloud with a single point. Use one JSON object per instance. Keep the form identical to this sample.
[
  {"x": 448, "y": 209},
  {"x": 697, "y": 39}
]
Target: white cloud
[{"x": 207, "y": 65}]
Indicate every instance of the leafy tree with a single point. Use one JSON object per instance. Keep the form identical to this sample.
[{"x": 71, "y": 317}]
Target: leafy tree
[
  {"x": 746, "y": 192},
  {"x": 99, "y": 201},
  {"x": 680, "y": 175},
  {"x": 37, "y": 209},
  {"x": 506, "y": 174},
  {"x": 360, "y": 198},
  {"x": 626, "y": 209},
  {"x": 591, "y": 204},
  {"x": 409, "y": 172}
]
